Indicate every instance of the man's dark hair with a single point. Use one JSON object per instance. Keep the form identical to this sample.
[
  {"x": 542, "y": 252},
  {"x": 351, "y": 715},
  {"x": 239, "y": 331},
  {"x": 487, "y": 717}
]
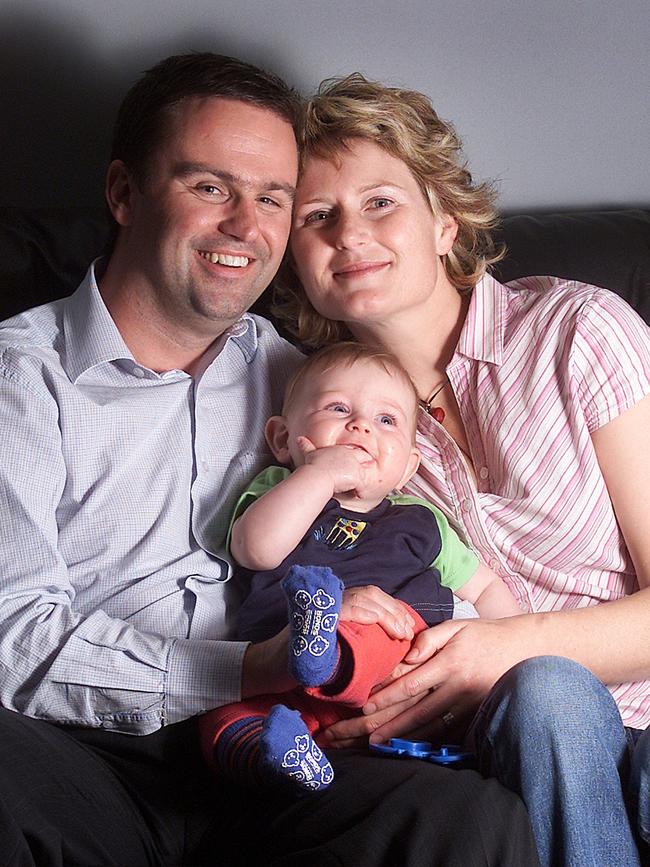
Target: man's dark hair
[{"x": 141, "y": 120}]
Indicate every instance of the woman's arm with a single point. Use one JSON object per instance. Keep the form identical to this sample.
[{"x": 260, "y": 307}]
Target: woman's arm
[
  {"x": 624, "y": 459},
  {"x": 461, "y": 660}
]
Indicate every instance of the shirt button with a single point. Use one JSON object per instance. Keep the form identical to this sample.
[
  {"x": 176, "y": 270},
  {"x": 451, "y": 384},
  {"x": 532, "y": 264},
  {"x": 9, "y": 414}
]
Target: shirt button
[
  {"x": 466, "y": 505},
  {"x": 494, "y": 564},
  {"x": 139, "y": 372},
  {"x": 238, "y": 329},
  {"x": 205, "y": 466},
  {"x": 484, "y": 472}
]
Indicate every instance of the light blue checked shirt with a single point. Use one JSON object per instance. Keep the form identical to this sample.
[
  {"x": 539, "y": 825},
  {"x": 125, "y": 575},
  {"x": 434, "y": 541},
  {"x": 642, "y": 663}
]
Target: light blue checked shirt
[{"x": 116, "y": 488}]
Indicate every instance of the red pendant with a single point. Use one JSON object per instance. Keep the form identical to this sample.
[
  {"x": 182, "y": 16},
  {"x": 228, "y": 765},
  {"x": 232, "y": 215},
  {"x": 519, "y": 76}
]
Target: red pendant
[{"x": 438, "y": 413}]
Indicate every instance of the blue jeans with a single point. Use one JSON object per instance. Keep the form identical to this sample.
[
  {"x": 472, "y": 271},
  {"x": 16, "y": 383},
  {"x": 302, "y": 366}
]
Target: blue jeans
[{"x": 551, "y": 731}]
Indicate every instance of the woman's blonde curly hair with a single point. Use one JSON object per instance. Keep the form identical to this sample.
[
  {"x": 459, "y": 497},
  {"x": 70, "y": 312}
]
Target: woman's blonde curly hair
[{"x": 405, "y": 125}]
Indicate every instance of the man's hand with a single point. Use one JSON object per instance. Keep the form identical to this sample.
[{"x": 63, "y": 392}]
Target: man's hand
[
  {"x": 265, "y": 667},
  {"x": 349, "y": 468},
  {"x": 449, "y": 671}
]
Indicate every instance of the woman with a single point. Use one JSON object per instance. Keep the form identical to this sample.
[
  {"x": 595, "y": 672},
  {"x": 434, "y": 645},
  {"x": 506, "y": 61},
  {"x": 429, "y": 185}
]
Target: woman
[{"x": 533, "y": 432}]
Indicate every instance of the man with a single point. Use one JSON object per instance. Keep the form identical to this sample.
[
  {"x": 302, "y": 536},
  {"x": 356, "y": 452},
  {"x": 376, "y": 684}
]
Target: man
[{"x": 132, "y": 413}]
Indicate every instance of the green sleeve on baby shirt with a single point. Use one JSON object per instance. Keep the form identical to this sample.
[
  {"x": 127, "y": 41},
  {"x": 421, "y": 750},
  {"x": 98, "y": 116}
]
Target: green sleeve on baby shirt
[
  {"x": 256, "y": 488},
  {"x": 456, "y": 563}
]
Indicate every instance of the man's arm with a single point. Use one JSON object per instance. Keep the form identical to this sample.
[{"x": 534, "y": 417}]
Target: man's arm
[{"x": 62, "y": 659}]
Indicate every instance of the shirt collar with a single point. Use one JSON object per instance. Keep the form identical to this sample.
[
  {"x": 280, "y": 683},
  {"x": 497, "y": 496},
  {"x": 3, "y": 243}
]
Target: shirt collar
[
  {"x": 244, "y": 334},
  {"x": 483, "y": 331},
  {"x": 92, "y": 337}
]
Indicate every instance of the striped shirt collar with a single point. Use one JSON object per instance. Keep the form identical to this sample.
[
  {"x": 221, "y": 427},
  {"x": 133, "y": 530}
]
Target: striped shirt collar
[
  {"x": 483, "y": 332},
  {"x": 92, "y": 338}
]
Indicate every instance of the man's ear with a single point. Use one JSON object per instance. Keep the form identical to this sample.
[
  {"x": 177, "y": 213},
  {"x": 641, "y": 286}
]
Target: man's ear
[
  {"x": 277, "y": 436},
  {"x": 119, "y": 192},
  {"x": 447, "y": 231},
  {"x": 411, "y": 468}
]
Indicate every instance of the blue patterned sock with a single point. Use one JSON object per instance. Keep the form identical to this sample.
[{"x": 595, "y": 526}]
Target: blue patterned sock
[
  {"x": 287, "y": 751},
  {"x": 314, "y": 600},
  {"x": 261, "y": 753}
]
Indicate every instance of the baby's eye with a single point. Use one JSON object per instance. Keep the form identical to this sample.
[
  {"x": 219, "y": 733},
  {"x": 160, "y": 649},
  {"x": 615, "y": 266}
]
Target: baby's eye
[
  {"x": 337, "y": 407},
  {"x": 387, "y": 419}
]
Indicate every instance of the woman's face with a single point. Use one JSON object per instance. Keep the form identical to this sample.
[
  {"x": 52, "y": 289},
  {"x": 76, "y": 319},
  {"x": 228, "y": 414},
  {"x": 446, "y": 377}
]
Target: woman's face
[{"x": 364, "y": 240}]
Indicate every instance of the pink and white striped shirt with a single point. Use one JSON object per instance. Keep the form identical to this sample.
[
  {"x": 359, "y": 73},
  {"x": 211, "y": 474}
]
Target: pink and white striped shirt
[{"x": 540, "y": 364}]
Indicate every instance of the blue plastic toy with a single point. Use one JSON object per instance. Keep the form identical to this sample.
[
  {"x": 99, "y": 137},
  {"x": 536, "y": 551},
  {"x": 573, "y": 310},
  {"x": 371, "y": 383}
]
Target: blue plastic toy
[{"x": 447, "y": 754}]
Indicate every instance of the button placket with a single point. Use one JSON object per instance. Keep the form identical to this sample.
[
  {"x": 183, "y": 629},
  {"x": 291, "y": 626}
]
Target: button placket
[{"x": 464, "y": 498}]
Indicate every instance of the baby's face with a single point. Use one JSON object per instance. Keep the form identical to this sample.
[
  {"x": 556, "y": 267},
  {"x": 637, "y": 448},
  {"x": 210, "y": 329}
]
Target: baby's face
[{"x": 361, "y": 406}]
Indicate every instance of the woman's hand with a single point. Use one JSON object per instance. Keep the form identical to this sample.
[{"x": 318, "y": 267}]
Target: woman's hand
[
  {"x": 436, "y": 691},
  {"x": 371, "y": 605}
]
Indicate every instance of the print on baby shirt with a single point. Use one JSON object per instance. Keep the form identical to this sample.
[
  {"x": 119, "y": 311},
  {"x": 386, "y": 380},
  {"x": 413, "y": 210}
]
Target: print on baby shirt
[
  {"x": 344, "y": 534},
  {"x": 398, "y": 547}
]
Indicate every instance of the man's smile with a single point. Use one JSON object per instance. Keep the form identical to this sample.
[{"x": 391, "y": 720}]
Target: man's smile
[{"x": 225, "y": 259}]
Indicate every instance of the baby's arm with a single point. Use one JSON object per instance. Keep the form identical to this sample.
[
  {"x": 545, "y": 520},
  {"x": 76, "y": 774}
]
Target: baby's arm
[
  {"x": 488, "y": 594},
  {"x": 272, "y": 526}
]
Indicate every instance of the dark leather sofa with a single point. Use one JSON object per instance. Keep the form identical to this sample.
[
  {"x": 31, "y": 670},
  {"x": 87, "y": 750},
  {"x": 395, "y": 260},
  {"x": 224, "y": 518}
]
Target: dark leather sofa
[{"x": 44, "y": 253}]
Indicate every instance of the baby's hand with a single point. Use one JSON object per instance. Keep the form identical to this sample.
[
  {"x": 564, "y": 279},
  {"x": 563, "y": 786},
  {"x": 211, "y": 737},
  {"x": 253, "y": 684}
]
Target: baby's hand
[{"x": 347, "y": 467}]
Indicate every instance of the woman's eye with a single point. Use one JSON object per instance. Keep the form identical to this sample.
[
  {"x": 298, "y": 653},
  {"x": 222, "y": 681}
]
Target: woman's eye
[
  {"x": 316, "y": 217},
  {"x": 380, "y": 203}
]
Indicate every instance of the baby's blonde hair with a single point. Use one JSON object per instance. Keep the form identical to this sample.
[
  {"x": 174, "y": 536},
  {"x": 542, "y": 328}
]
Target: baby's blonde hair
[{"x": 348, "y": 353}]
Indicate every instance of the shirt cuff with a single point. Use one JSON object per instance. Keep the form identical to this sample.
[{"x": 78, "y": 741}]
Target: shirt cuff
[{"x": 202, "y": 675}]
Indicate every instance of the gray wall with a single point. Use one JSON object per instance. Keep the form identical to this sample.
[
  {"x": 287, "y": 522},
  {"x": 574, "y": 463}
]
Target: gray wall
[{"x": 549, "y": 96}]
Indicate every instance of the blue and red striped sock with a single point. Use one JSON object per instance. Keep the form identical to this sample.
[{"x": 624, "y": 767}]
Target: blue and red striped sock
[{"x": 259, "y": 753}]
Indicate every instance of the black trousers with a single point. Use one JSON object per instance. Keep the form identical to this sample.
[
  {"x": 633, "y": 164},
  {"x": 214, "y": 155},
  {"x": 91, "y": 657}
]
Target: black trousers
[{"x": 89, "y": 798}]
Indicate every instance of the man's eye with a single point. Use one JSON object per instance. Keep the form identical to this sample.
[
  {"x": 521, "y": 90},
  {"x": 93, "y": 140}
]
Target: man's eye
[
  {"x": 269, "y": 200},
  {"x": 380, "y": 203},
  {"x": 209, "y": 189}
]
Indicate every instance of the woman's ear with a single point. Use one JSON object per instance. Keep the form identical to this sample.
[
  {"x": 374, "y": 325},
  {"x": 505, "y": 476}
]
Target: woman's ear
[
  {"x": 277, "y": 436},
  {"x": 411, "y": 468},
  {"x": 447, "y": 230}
]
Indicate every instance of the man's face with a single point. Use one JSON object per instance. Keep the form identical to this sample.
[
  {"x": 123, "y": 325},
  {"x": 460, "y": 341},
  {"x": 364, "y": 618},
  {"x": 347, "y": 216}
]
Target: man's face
[{"x": 207, "y": 231}]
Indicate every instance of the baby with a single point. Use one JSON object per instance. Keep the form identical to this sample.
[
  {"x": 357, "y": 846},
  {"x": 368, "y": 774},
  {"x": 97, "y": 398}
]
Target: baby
[{"x": 330, "y": 517}]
